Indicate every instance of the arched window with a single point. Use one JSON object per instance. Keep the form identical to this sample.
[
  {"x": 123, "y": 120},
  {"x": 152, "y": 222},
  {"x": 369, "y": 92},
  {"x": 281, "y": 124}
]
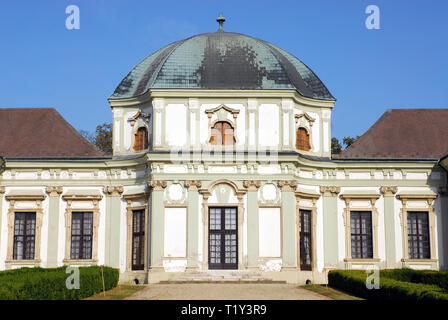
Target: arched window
[
  {"x": 222, "y": 133},
  {"x": 141, "y": 139},
  {"x": 303, "y": 140}
]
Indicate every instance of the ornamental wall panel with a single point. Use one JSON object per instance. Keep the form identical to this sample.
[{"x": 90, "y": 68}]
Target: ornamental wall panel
[
  {"x": 269, "y": 221},
  {"x": 175, "y": 233}
]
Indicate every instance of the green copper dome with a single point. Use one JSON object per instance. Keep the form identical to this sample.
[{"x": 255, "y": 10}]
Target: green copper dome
[{"x": 222, "y": 60}]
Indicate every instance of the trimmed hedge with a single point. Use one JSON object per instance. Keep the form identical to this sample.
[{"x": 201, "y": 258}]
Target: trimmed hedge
[
  {"x": 354, "y": 281},
  {"x": 50, "y": 284},
  {"x": 438, "y": 278}
]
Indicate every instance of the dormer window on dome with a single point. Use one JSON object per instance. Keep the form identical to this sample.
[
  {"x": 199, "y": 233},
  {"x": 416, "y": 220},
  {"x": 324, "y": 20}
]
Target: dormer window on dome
[
  {"x": 303, "y": 140},
  {"x": 222, "y": 124},
  {"x": 140, "y": 125},
  {"x": 304, "y": 126},
  {"x": 222, "y": 133},
  {"x": 141, "y": 139}
]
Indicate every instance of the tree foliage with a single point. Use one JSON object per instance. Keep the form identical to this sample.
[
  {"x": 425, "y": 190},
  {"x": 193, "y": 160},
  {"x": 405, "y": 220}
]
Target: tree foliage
[
  {"x": 336, "y": 146},
  {"x": 102, "y": 138},
  {"x": 348, "y": 141}
]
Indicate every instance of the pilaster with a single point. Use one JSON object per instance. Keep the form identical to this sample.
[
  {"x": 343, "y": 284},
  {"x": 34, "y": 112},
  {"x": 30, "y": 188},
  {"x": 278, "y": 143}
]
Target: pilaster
[
  {"x": 2, "y": 193},
  {"x": 252, "y": 222},
  {"x": 330, "y": 227},
  {"x": 389, "y": 224},
  {"x": 113, "y": 219},
  {"x": 193, "y": 223},
  {"x": 289, "y": 250},
  {"x": 443, "y": 192},
  {"x": 54, "y": 193},
  {"x": 157, "y": 187}
]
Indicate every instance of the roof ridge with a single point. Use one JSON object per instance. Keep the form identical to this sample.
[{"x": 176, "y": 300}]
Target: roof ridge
[
  {"x": 25, "y": 108},
  {"x": 76, "y": 133},
  {"x": 377, "y": 122},
  {"x": 420, "y": 109}
]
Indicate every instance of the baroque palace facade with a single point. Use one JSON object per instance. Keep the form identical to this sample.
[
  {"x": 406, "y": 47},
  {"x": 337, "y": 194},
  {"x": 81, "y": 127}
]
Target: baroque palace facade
[{"x": 222, "y": 161}]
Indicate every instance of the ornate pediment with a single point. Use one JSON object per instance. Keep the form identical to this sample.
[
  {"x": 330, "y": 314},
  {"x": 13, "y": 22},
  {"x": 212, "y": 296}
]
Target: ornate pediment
[
  {"x": 221, "y": 110},
  {"x": 139, "y": 115}
]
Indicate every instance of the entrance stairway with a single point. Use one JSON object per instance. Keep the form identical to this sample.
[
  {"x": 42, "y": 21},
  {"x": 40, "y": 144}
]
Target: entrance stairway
[{"x": 222, "y": 276}]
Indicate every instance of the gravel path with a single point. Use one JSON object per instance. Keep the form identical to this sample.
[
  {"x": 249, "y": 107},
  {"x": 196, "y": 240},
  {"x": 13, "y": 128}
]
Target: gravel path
[{"x": 212, "y": 291}]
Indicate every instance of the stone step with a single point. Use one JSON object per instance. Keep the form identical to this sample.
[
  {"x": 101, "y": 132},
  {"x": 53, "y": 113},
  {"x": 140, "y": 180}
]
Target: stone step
[
  {"x": 221, "y": 276},
  {"x": 223, "y": 281}
]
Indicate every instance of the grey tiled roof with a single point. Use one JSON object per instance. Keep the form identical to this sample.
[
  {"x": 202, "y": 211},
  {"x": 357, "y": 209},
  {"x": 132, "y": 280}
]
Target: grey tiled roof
[{"x": 221, "y": 60}]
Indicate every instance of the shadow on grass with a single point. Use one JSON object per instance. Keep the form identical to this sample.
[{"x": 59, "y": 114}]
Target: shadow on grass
[
  {"x": 118, "y": 293},
  {"x": 330, "y": 292}
]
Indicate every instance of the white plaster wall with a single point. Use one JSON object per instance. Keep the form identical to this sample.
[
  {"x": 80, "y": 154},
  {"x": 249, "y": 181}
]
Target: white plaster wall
[
  {"x": 123, "y": 238},
  {"x": 128, "y": 129},
  {"x": 438, "y": 230},
  {"x": 268, "y": 125},
  {"x": 44, "y": 231},
  {"x": 61, "y": 230},
  {"x": 203, "y": 126},
  {"x": 245, "y": 228},
  {"x": 326, "y": 133},
  {"x": 269, "y": 232},
  {"x": 176, "y": 125},
  {"x": 381, "y": 230},
  {"x": 3, "y": 232},
  {"x": 200, "y": 233},
  {"x": 341, "y": 229},
  {"x": 319, "y": 235},
  {"x": 240, "y": 123},
  {"x": 316, "y": 131},
  {"x": 175, "y": 232},
  {"x": 398, "y": 230}
]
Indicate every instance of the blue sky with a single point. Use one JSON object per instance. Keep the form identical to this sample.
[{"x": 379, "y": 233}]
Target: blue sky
[{"x": 402, "y": 65}]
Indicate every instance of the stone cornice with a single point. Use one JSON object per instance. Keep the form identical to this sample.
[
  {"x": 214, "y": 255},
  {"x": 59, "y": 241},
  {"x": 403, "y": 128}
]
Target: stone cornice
[
  {"x": 113, "y": 191},
  {"x": 288, "y": 185},
  {"x": 53, "y": 191},
  {"x": 388, "y": 191},
  {"x": 193, "y": 185},
  {"x": 329, "y": 191},
  {"x": 252, "y": 185},
  {"x": 157, "y": 185},
  {"x": 222, "y": 93}
]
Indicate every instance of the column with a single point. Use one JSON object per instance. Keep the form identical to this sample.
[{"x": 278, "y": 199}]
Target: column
[
  {"x": 54, "y": 193},
  {"x": 289, "y": 250},
  {"x": 252, "y": 222},
  {"x": 113, "y": 219},
  {"x": 389, "y": 224},
  {"x": 193, "y": 223},
  {"x": 157, "y": 187},
  {"x": 330, "y": 225}
]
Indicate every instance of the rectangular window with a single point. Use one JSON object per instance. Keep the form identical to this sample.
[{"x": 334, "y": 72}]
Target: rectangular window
[
  {"x": 305, "y": 240},
  {"x": 24, "y": 235},
  {"x": 82, "y": 234},
  {"x": 418, "y": 235},
  {"x": 361, "y": 234},
  {"x": 138, "y": 239}
]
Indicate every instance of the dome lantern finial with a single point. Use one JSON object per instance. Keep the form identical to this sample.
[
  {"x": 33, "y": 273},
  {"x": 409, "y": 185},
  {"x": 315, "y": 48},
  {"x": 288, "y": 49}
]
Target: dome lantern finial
[{"x": 221, "y": 20}]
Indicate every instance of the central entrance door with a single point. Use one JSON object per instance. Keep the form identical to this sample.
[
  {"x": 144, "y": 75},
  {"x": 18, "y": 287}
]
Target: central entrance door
[{"x": 223, "y": 238}]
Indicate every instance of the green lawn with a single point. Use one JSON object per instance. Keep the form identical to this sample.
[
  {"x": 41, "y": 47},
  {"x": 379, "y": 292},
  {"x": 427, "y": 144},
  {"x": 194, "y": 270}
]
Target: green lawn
[
  {"x": 330, "y": 292},
  {"x": 118, "y": 293}
]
